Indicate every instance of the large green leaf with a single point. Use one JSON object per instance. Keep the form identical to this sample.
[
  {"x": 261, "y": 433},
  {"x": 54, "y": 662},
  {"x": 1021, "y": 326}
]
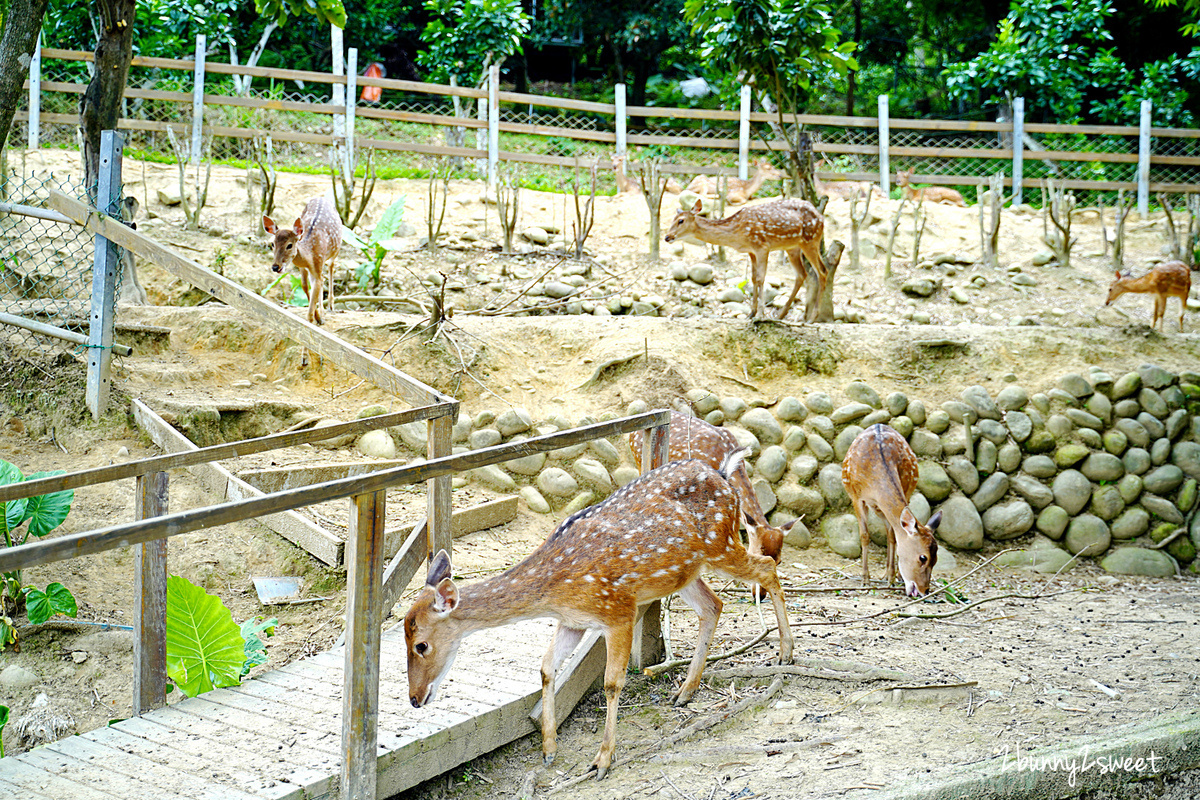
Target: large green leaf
[
  {"x": 205, "y": 650},
  {"x": 14, "y": 510},
  {"x": 47, "y": 511},
  {"x": 3, "y": 722},
  {"x": 41, "y": 606},
  {"x": 390, "y": 222}
]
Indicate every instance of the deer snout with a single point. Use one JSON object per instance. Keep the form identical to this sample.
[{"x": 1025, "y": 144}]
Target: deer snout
[
  {"x": 912, "y": 590},
  {"x": 276, "y": 268}
]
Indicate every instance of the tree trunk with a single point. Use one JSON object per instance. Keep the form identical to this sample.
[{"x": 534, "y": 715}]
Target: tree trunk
[
  {"x": 17, "y": 41},
  {"x": 100, "y": 105}
]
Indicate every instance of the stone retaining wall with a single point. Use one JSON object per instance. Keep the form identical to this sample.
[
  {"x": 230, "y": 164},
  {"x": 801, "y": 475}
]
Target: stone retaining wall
[{"x": 1099, "y": 466}]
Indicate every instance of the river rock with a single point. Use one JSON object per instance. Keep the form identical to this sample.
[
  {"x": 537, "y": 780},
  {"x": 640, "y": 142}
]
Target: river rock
[
  {"x": 1071, "y": 490},
  {"x": 916, "y": 412},
  {"x": 514, "y": 421},
  {"x": 1084, "y": 419},
  {"x": 1012, "y": 398},
  {"x": 763, "y": 425},
  {"x": 1107, "y": 502},
  {"x": 745, "y": 439},
  {"x": 860, "y": 392},
  {"x": 1032, "y": 491},
  {"x": 1161, "y": 507},
  {"x": 493, "y": 477},
  {"x": 1043, "y": 557},
  {"x": 624, "y": 474},
  {"x": 1163, "y": 480},
  {"x": 925, "y": 444},
  {"x": 1154, "y": 428},
  {"x": 1154, "y": 376},
  {"x": 534, "y": 500},
  {"x": 1130, "y": 487},
  {"x": 963, "y": 472},
  {"x": 593, "y": 475},
  {"x": 1069, "y": 455},
  {"x": 820, "y": 448},
  {"x": 15, "y": 676},
  {"x": 1186, "y": 456},
  {"x": 1040, "y": 466},
  {"x": 841, "y": 534},
  {"x": 1132, "y": 523},
  {"x": 986, "y": 456},
  {"x": 1102, "y": 467},
  {"x": 1126, "y": 385},
  {"x": 529, "y": 465},
  {"x": 1039, "y": 442},
  {"x": 902, "y": 425},
  {"x": 823, "y": 426},
  {"x": 1053, "y": 521},
  {"x": 791, "y": 409},
  {"x": 896, "y": 403},
  {"x": 804, "y": 467},
  {"x": 1139, "y": 561},
  {"x": 819, "y": 403},
  {"x": 772, "y": 463},
  {"x": 1075, "y": 385},
  {"x": 803, "y": 500},
  {"x": 557, "y": 482},
  {"x": 938, "y": 422},
  {"x": 1008, "y": 520},
  {"x": 1087, "y": 535},
  {"x": 961, "y": 525},
  {"x": 829, "y": 480},
  {"x": 734, "y": 407},
  {"x": 1100, "y": 407},
  {"x": 991, "y": 491},
  {"x": 1136, "y": 461},
  {"x": 1008, "y": 458},
  {"x": 933, "y": 482},
  {"x": 849, "y": 413},
  {"x": 841, "y": 444}
]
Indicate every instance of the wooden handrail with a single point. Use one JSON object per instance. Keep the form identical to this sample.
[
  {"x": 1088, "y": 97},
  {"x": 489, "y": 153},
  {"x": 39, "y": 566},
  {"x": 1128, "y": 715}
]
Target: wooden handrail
[
  {"x": 86, "y": 543},
  {"x": 217, "y": 452}
]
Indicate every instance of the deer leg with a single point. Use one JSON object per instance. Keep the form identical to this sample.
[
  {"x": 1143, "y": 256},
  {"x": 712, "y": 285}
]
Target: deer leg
[
  {"x": 1182, "y": 308},
  {"x": 332, "y": 261},
  {"x": 758, "y": 276},
  {"x": 864, "y": 537},
  {"x": 619, "y": 640},
  {"x": 315, "y": 297},
  {"x": 565, "y": 640},
  {"x": 761, "y": 570},
  {"x": 708, "y": 607},
  {"x": 890, "y": 576},
  {"x": 801, "y": 276}
]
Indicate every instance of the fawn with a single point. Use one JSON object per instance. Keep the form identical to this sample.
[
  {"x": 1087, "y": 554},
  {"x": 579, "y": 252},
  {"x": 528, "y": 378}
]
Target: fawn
[
  {"x": 311, "y": 243},
  {"x": 626, "y": 185},
  {"x": 844, "y": 189},
  {"x": 932, "y": 194},
  {"x": 740, "y": 191},
  {"x": 793, "y": 226},
  {"x": 650, "y": 539},
  {"x": 880, "y": 471},
  {"x": 1169, "y": 279},
  {"x": 695, "y": 438}
]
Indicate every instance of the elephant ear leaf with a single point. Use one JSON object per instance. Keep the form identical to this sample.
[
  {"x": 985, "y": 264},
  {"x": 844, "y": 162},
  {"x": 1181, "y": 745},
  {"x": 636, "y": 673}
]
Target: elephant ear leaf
[
  {"x": 47, "y": 511},
  {"x": 205, "y": 649},
  {"x": 13, "y": 510}
]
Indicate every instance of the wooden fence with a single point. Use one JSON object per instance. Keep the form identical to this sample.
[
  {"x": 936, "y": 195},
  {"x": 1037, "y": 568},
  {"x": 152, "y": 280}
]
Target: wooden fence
[{"x": 879, "y": 140}]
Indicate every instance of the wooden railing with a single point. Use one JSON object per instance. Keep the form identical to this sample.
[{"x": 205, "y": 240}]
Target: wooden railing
[{"x": 369, "y": 591}]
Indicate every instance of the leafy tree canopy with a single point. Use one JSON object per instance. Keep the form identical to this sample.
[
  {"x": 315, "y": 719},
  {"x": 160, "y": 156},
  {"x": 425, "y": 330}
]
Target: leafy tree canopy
[{"x": 467, "y": 36}]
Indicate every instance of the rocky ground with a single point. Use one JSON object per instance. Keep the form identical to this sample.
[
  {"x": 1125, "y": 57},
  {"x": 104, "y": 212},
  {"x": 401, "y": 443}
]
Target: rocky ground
[{"x": 1033, "y": 657}]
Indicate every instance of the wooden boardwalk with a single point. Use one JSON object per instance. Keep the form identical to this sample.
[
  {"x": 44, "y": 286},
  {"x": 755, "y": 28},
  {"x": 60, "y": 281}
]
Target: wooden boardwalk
[{"x": 279, "y": 735}]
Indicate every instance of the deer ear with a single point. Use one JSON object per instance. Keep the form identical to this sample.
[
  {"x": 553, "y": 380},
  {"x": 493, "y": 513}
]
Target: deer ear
[
  {"x": 934, "y": 521},
  {"x": 298, "y": 227},
  {"x": 698, "y": 207},
  {"x": 439, "y": 568},
  {"x": 445, "y": 596},
  {"x": 933, "y": 553},
  {"x": 269, "y": 225}
]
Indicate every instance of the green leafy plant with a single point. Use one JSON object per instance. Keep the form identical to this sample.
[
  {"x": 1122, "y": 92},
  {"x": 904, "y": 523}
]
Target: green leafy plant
[
  {"x": 205, "y": 649},
  {"x": 41, "y": 606},
  {"x": 20, "y": 519},
  {"x": 3, "y": 722},
  {"x": 254, "y": 630},
  {"x": 377, "y": 246},
  {"x": 951, "y": 593}
]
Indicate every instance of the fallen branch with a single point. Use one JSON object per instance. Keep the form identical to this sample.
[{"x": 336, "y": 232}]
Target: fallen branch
[
  {"x": 655, "y": 670},
  {"x": 969, "y": 606},
  {"x": 1174, "y": 535},
  {"x": 818, "y": 668}
]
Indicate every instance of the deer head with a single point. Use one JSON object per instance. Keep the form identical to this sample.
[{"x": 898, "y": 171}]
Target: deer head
[
  {"x": 286, "y": 241},
  {"x": 916, "y": 552},
  {"x": 432, "y": 643}
]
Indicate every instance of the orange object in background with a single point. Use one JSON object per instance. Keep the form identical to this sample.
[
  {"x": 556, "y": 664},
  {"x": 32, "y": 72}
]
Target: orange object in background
[{"x": 372, "y": 94}]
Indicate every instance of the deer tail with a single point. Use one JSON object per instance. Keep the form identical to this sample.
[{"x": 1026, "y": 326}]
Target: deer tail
[{"x": 731, "y": 462}]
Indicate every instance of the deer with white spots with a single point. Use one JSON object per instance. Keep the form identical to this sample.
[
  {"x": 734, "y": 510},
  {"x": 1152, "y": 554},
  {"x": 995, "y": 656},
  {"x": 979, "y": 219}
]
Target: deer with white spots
[
  {"x": 695, "y": 438},
  {"x": 880, "y": 472},
  {"x": 652, "y": 538},
  {"x": 793, "y": 226},
  {"x": 1170, "y": 279},
  {"x": 310, "y": 244}
]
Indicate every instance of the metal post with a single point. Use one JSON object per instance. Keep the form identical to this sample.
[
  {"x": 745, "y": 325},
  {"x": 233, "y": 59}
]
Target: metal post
[
  {"x": 744, "y": 134},
  {"x": 1143, "y": 170},
  {"x": 438, "y": 504},
  {"x": 885, "y": 170},
  {"x": 339, "y": 94},
  {"x": 621, "y": 118},
  {"x": 197, "y": 100},
  {"x": 150, "y": 587},
  {"x": 493, "y": 124},
  {"x": 35, "y": 95},
  {"x": 351, "y": 104},
  {"x": 105, "y": 268},
  {"x": 1018, "y": 148},
  {"x": 360, "y": 695}
]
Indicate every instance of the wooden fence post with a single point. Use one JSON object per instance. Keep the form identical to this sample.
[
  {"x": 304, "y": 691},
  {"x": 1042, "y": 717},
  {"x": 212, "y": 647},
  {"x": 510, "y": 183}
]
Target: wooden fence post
[
  {"x": 481, "y": 134},
  {"x": 105, "y": 268},
  {"x": 1143, "y": 167},
  {"x": 620, "y": 118},
  {"x": 647, "y": 633},
  {"x": 360, "y": 695},
  {"x": 438, "y": 505},
  {"x": 1018, "y": 148},
  {"x": 351, "y": 104},
  {"x": 338, "y": 55},
  {"x": 493, "y": 124},
  {"x": 35, "y": 95},
  {"x": 885, "y": 169},
  {"x": 744, "y": 133},
  {"x": 150, "y": 591},
  {"x": 198, "y": 99}
]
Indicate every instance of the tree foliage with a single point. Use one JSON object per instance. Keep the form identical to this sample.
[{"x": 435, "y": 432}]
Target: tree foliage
[{"x": 468, "y": 36}]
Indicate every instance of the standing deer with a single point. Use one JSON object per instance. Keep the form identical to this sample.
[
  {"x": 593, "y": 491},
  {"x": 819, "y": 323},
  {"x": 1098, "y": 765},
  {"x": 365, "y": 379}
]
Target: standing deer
[
  {"x": 932, "y": 194},
  {"x": 793, "y": 226},
  {"x": 310, "y": 244},
  {"x": 1169, "y": 279},
  {"x": 650, "y": 539},
  {"x": 740, "y": 191},
  {"x": 880, "y": 471},
  {"x": 695, "y": 438}
]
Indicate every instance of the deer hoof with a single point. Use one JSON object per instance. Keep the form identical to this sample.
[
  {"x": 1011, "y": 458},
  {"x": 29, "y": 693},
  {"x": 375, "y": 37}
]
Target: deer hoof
[
  {"x": 600, "y": 771},
  {"x": 548, "y": 759}
]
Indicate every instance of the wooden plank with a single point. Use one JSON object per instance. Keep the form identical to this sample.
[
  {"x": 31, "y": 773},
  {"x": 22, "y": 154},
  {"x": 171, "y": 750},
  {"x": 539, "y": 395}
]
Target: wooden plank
[
  {"x": 421, "y": 147},
  {"x": 265, "y": 770},
  {"x": 150, "y": 587},
  {"x": 683, "y": 141},
  {"x": 294, "y": 527},
  {"x": 87, "y": 542},
  {"x": 522, "y": 99},
  {"x": 318, "y": 733},
  {"x": 22, "y": 777},
  {"x": 1098, "y": 130},
  {"x": 551, "y": 130},
  {"x": 219, "y": 452},
  {"x": 438, "y": 504},
  {"x": 655, "y": 112},
  {"x": 151, "y": 777},
  {"x": 79, "y": 770},
  {"x": 326, "y": 344},
  {"x": 446, "y": 120},
  {"x": 238, "y": 781},
  {"x": 952, "y": 152}
]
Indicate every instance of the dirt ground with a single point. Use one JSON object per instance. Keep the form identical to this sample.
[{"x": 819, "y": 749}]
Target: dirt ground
[{"x": 1030, "y": 663}]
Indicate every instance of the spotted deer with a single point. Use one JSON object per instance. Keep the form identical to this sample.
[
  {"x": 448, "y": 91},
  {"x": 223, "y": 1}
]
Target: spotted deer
[
  {"x": 1169, "y": 279},
  {"x": 740, "y": 191},
  {"x": 880, "y": 472},
  {"x": 695, "y": 438},
  {"x": 843, "y": 189},
  {"x": 627, "y": 185},
  {"x": 652, "y": 538},
  {"x": 931, "y": 194},
  {"x": 792, "y": 226},
  {"x": 310, "y": 244}
]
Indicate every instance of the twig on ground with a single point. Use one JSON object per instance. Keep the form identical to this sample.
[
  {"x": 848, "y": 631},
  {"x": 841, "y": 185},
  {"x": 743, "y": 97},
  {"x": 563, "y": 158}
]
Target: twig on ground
[
  {"x": 815, "y": 668},
  {"x": 655, "y": 670},
  {"x": 969, "y": 606}
]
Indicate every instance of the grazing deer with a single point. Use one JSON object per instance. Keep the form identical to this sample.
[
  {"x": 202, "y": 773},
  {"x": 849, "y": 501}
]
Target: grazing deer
[
  {"x": 695, "y": 438},
  {"x": 1169, "y": 279},
  {"x": 931, "y": 194},
  {"x": 792, "y": 226},
  {"x": 311, "y": 243},
  {"x": 880, "y": 471},
  {"x": 626, "y": 185},
  {"x": 652, "y": 538},
  {"x": 740, "y": 191},
  {"x": 844, "y": 189}
]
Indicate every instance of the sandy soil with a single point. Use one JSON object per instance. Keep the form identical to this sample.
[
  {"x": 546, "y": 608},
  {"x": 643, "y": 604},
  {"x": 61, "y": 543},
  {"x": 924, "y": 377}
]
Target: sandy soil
[{"x": 1031, "y": 663}]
